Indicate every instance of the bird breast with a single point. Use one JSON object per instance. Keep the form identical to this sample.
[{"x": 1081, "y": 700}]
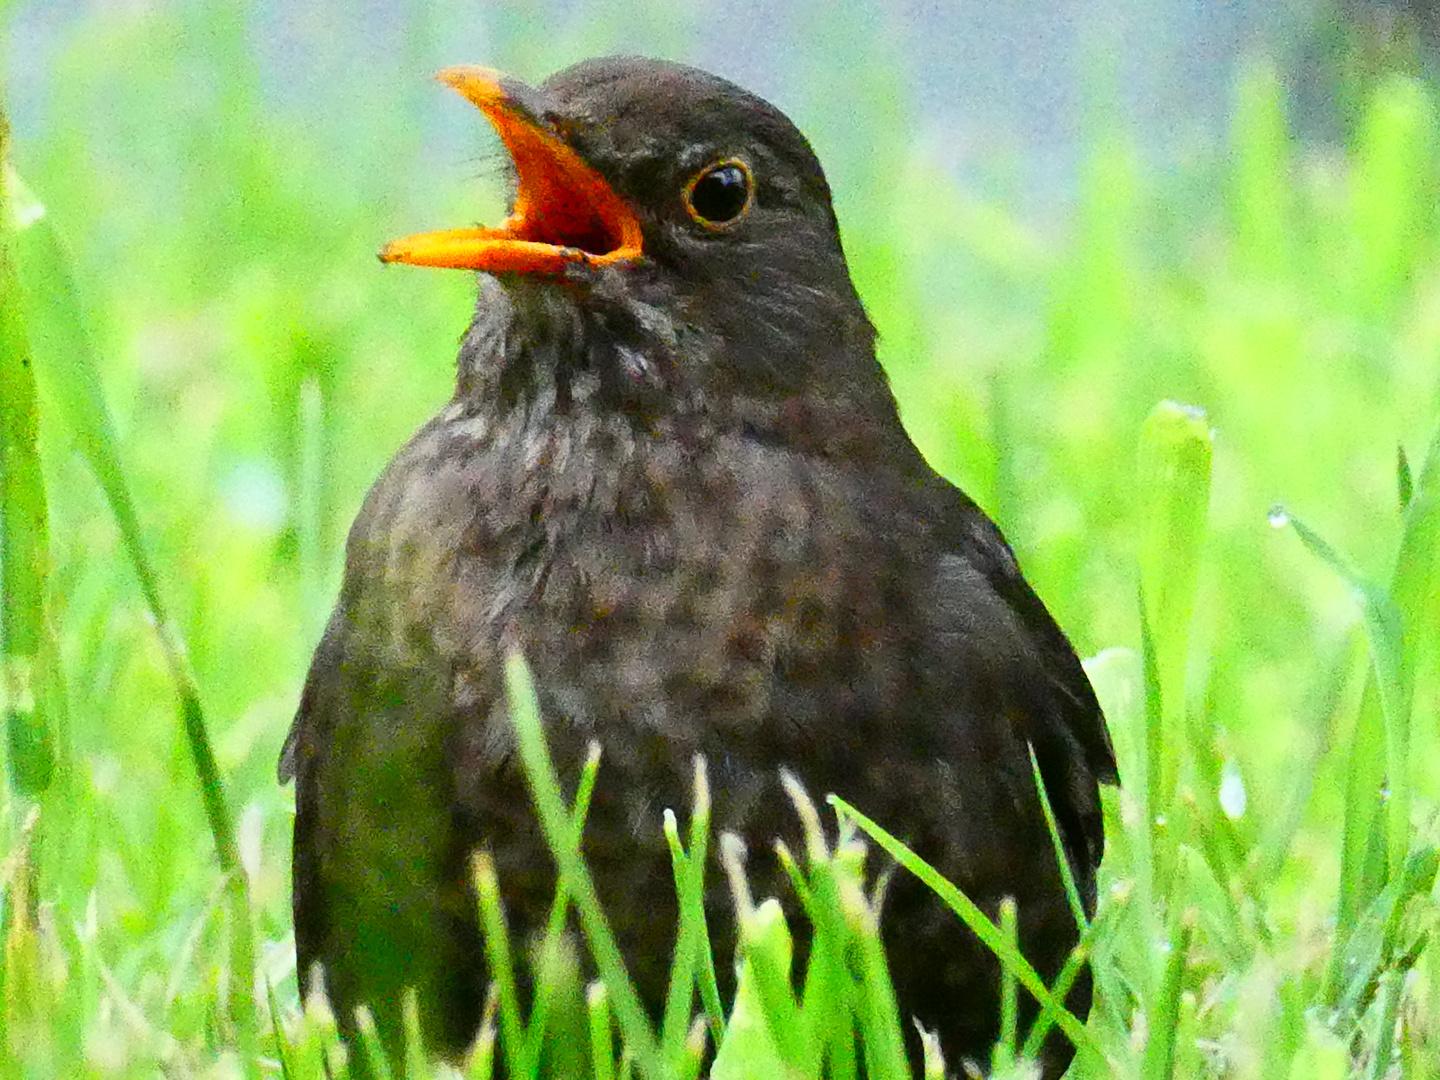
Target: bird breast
[{"x": 678, "y": 585}]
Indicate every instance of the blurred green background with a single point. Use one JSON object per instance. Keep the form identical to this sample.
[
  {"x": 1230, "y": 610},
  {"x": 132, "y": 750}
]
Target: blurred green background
[{"x": 1054, "y": 225}]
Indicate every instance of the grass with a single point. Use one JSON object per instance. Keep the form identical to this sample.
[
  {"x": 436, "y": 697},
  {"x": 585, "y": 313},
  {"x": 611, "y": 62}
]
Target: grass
[{"x": 201, "y": 378}]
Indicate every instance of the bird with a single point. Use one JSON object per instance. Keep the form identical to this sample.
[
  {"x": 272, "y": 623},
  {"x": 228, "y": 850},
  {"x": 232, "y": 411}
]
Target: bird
[{"x": 674, "y": 477}]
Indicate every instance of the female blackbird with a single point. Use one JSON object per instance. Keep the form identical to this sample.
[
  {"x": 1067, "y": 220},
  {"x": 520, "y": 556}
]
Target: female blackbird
[{"x": 673, "y": 474}]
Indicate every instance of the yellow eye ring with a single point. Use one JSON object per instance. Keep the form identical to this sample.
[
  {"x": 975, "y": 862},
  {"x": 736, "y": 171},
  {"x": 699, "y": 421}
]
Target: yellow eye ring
[{"x": 720, "y": 195}]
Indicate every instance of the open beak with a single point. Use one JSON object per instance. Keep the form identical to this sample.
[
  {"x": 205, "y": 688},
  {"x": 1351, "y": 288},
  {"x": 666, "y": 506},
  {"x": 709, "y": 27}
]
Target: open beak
[{"x": 565, "y": 212}]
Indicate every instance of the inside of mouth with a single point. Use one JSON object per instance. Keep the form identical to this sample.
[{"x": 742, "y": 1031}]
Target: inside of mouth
[
  {"x": 564, "y": 211},
  {"x": 569, "y": 227},
  {"x": 561, "y": 203},
  {"x": 560, "y": 199}
]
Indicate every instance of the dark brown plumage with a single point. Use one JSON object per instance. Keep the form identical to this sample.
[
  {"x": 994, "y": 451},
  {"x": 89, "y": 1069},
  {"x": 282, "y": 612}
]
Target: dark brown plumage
[{"x": 673, "y": 473}]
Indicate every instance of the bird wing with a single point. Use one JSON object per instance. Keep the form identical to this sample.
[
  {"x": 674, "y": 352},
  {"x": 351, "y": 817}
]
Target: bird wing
[
  {"x": 1061, "y": 719},
  {"x": 307, "y": 740}
]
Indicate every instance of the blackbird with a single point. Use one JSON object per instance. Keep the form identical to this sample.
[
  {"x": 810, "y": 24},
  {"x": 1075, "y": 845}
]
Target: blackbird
[{"x": 674, "y": 476}]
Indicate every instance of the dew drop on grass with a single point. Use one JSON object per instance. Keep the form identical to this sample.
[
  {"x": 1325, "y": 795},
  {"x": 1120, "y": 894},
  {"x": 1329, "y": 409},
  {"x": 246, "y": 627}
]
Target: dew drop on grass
[
  {"x": 1232, "y": 791},
  {"x": 1278, "y": 517}
]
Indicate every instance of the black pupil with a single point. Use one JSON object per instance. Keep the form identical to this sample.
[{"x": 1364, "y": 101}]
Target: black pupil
[{"x": 721, "y": 194}]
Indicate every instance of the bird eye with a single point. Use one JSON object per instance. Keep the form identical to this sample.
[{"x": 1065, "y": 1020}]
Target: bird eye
[{"x": 721, "y": 194}]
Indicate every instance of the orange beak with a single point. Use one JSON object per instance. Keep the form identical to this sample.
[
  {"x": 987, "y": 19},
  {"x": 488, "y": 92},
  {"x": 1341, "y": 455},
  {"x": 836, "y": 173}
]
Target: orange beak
[{"x": 565, "y": 212}]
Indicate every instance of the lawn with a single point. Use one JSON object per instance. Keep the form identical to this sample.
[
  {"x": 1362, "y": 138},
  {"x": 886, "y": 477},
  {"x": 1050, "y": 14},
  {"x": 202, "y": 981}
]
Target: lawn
[{"x": 1217, "y": 386}]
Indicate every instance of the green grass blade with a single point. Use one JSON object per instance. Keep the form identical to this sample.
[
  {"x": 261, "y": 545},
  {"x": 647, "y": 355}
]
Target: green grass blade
[
  {"x": 1164, "y": 1012},
  {"x": 1371, "y": 810},
  {"x": 1260, "y": 193},
  {"x": 1004, "y": 1056},
  {"x": 830, "y": 1016},
  {"x": 480, "y": 1061},
  {"x": 1384, "y": 630},
  {"x": 694, "y": 961},
  {"x": 674, "y": 1025},
  {"x": 417, "y": 1065},
  {"x": 602, "y": 1042},
  {"x": 1363, "y": 870},
  {"x": 695, "y": 1043},
  {"x": 283, "y": 1051},
  {"x": 766, "y": 1018},
  {"x": 933, "y": 1063},
  {"x": 1391, "y": 193},
  {"x": 1415, "y": 590},
  {"x": 699, "y": 855},
  {"x": 371, "y": 1045},
  {"x": 1067, "y": 874},
  {"x": 564, "y": 841},
  {"x": 877, "y": 1012},
  {"x": 24, "y": 524},
  {"x": 1153, "y": 844},
  {"x": 1173, "y": 491},
  {"x": 65, "y": 351},
  {"x": 1383, "y": 938},
  {"x": 1384, "y": 1052},
  {"x": 501, "y": 965},
  {"x": 70, "y": 366},
  {"x": 1103, "y": 923},
  {"x": 764, "y": 1029},
  {"x": 1402, "y": 627},
  {"x": 980, "y": 924},
  {"x": 555, "y": 925}
]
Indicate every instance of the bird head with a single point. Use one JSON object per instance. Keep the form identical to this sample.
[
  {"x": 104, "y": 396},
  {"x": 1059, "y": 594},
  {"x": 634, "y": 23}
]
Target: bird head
[{"x": 672, "y": 240}]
